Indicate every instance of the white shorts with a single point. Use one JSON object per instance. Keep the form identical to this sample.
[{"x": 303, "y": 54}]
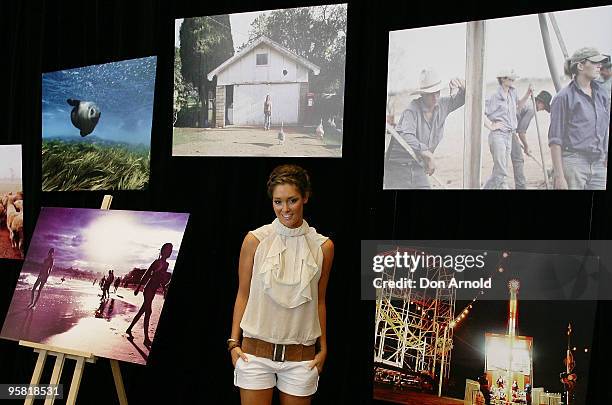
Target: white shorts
[{"x": 291, "y": 377}]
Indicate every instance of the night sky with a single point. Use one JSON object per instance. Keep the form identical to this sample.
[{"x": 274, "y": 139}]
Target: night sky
[{"x": 543, "y": 319}]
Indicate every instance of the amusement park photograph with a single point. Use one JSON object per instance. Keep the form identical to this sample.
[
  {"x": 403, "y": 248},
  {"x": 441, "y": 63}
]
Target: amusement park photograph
[{"x": 432, "y": 348}]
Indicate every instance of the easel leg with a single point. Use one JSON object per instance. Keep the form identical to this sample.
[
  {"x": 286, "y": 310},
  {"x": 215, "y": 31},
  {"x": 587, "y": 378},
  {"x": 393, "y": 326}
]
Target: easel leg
[
  {"x": 55, "y": 376},
  {"x": 118, "y": 382},
  {"x": 38, "y": 369},
  {"x": 76, "y": 381}
]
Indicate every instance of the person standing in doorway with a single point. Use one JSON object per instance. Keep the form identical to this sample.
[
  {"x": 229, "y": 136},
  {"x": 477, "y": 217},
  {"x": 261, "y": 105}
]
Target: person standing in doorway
[{"x": 267, "y": 112}]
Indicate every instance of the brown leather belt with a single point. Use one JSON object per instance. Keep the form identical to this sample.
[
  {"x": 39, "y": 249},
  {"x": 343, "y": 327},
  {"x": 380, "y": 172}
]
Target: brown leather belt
[{"x": 276, "y": 352}]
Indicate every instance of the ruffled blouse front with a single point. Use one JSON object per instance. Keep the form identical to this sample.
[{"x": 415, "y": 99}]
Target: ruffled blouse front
[
  {"x": 289, "y": 266},
  {"x": 283, "y": 297}
]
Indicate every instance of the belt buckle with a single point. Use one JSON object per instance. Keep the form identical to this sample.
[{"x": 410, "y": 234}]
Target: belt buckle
[{"x": 279, "y": 353}]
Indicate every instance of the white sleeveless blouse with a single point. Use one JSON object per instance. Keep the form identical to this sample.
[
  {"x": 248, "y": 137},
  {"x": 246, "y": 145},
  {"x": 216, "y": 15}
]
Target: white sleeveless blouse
[{"x": 283, "y": 297}]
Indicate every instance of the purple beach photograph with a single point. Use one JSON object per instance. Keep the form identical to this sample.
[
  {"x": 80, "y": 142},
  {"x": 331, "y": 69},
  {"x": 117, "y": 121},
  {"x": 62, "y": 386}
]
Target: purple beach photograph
[{"x": 96, "y": 280}]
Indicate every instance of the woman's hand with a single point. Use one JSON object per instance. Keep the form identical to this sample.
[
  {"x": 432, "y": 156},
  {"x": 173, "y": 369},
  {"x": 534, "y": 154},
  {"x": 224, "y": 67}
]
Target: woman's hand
[
  {"x": 318, "y": 361},
  {"x": 236, "y": 353}
]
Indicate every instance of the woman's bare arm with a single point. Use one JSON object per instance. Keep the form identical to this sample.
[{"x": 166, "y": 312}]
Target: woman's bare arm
[
  {"x": 245, "y": 270},
  {"x": 328, "y": 258}
]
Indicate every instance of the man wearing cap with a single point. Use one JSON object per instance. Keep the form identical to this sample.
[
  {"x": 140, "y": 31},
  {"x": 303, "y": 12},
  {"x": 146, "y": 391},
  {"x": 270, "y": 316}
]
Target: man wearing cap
[
  {"x": 501, "y": 110},
  {"x": 605, "y": 75},
  {"x": 579, "y": 125},
  {"x": 422, "y": 127},
  {"x": 524, "y": 117}
]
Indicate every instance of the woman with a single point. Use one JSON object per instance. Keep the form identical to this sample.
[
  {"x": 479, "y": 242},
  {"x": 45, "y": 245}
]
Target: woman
[
  {"x": 267, "y": 112},
  {"x": 154, "y": 278},
  {"x": 501, "y": 111},
  {"x": 46, "y": 269},
  {"x": 280, "y": 305}
]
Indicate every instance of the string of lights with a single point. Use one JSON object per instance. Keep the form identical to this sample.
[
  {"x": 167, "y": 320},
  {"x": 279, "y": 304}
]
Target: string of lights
[{"x": 499, "y": 268}]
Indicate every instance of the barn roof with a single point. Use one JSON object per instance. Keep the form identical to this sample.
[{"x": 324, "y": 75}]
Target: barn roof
[{"x": 264, "y": 40}]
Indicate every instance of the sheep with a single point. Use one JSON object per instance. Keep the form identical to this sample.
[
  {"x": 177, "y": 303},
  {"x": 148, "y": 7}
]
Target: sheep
[
  {"x": 4, "y": 199},
  {"x": 19, "y": 205},
  {"x": 11, "y": 213},
  {"x": 14, "y": 197},
  {"x": 2, "y": 214},
  {"x": 17, "y": 232}
]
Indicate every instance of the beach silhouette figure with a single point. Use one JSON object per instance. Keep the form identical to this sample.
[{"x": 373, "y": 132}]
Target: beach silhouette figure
[
  {"x": 153, "y": 278},
  {"x": 43, "y": 275}
]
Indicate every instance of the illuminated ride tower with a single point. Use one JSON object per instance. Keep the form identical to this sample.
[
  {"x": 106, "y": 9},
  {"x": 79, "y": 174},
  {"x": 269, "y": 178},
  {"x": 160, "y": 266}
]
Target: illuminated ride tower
[
  {"x": 508, "y": 356},
  {"x": 412, "y": 326},
  {"x": 513, "y": 287}
]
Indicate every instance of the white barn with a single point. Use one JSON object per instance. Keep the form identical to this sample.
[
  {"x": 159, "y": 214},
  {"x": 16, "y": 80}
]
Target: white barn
[{"x": 264, "y": 67}]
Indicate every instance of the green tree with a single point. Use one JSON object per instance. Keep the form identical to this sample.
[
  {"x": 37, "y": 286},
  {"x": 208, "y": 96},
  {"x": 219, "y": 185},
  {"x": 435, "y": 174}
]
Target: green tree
[
  {"x": 317, "y": 34},
  {"x": 206, "y": 42}
]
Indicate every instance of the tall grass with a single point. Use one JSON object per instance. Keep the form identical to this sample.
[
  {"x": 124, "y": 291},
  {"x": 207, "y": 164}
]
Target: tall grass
[{"x": 81, "y": 166}]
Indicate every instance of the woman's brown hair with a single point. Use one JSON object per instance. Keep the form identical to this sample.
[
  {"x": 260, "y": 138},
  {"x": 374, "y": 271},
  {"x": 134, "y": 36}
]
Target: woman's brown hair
[{"x": 290, "y": 174}]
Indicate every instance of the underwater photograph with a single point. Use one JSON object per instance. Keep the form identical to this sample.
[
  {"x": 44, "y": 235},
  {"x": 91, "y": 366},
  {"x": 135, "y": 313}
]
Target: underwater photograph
[{"x": 96, "y": 126}]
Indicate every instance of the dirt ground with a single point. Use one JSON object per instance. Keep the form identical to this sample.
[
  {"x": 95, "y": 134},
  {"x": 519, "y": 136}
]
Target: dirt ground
[
  {"x": 6, "y": 250},
  {"x": 252, "y": 141},
  {"x": 387, "y": 393},
  {"x": 449, "y": 154}
]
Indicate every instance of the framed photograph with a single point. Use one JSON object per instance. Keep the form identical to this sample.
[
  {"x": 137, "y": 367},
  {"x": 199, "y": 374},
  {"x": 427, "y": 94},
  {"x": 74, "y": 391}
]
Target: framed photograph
[
  {"x": 11, "y": 203},
  {"x": 501, "y": 103},
  {"x": 474, "y": 320},
  {"x": 96, "y": 126},
  {"x": 96, "y": 280},
  {"x": 264, "y": 83}
]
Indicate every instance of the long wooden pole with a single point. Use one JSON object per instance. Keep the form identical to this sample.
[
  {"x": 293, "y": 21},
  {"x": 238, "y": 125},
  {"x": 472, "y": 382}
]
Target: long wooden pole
[
  {"x": 553, "y": 22},
  {"x": 540, "y": 141},
  {"x": 474, "y": 96},
  {"x": 410, "y": 151},
  {"x": 550, "y": 56}
]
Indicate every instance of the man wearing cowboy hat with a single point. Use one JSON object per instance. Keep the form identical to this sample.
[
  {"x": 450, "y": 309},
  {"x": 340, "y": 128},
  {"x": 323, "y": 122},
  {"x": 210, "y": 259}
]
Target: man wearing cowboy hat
[
  {"x": 524, "y": 117},
  {"x": 501, "y": 110},
  {"x": 579, "y": 125},
  {"x": 422, "y": 127}
]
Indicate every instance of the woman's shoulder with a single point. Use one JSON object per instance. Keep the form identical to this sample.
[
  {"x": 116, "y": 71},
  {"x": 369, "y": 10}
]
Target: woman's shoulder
[
  {"x": 262, "y": 232},
  {"x": 316, "y": 237}
]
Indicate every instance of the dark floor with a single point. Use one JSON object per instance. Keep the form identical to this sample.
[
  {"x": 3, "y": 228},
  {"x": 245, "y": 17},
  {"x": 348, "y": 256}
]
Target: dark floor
[{"x": 386, "y": 393}]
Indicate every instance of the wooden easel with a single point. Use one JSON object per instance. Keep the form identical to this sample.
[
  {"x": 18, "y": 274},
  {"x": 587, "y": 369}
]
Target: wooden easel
[{"x": 81, "y": 358}]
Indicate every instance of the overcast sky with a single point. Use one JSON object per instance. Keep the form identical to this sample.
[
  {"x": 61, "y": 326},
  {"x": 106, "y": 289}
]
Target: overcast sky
[
  {"x": 514, "y": 41},
  {"x": 10, "y": 158}
]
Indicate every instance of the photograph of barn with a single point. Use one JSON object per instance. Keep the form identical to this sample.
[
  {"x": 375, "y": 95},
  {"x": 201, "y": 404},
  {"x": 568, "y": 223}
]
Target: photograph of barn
[
  {"x": 263, "y": 68},
  {"x": 265, "y": 83}
]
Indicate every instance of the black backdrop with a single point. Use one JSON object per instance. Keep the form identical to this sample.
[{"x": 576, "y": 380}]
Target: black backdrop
[{"x": 226, "y": 196}]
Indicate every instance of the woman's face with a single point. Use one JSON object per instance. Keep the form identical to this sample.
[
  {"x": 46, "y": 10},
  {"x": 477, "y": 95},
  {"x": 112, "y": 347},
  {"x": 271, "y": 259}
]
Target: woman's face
[
  {"x": 589, "y": 69},
  {"x": 288, "y": 204}
]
